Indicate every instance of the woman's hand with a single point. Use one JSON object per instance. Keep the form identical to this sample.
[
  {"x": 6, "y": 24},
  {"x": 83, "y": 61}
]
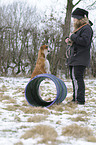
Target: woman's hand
[{"x": 67, "y": 40}]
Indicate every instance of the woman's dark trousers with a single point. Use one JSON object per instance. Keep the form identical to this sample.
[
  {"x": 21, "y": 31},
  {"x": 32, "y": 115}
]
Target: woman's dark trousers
[{"x": 77, "y": 77}]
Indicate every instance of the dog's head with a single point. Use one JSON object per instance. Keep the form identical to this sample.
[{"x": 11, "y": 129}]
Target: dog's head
[{"x": 44, "y": 50}]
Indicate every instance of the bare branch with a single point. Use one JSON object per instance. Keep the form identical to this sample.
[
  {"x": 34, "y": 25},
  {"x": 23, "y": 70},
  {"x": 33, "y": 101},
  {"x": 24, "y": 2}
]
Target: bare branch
[
  {"x": 93, "y": 3},
  {"x": 92, "y": 6},
  {"x": 77, "y": 3}
]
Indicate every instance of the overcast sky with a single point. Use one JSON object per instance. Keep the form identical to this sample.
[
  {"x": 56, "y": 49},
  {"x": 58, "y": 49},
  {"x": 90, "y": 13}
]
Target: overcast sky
[{"x": 48, "y": 3}]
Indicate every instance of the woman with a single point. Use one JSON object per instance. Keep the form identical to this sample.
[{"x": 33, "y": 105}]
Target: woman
[{"x": 79, "y": 57}]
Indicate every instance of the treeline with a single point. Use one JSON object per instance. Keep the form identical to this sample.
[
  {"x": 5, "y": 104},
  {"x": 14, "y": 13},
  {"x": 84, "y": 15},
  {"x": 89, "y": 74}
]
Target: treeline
[{"x": 23, "y": 31}]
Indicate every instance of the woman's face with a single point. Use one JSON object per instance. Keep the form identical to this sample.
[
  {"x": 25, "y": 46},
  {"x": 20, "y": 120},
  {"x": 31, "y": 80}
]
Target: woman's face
[
  {"x": 75, "y": 20},
  {"x": 76, "y": 23}
]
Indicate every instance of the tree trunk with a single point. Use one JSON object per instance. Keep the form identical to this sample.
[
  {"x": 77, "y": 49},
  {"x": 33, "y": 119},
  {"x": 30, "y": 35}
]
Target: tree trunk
[{"x": 66, "y": 31}]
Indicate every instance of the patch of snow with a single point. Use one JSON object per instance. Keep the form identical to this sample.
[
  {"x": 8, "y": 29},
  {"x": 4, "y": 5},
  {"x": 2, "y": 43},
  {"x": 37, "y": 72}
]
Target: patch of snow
[{"x": 11, "y": 129}]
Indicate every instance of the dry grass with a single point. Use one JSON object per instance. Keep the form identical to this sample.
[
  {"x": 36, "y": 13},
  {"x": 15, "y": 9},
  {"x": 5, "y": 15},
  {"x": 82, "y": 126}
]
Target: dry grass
[
  {"x": 23, "y": 126},
  {"x": 4, "y": 97},
  {"x": 82, "y": 112},
  {"x": 27, "y": 109},
  {"x": 10, "y": 100},
  {"x": 37, "y": 118},
  {"x": 92, "y": 100},
  {"x": 17, "y": 106},
  {"x": 59, "y": 107},
  {"x": 76, "y": 131},
  {"x": 18, "y": 90},
  {"x": 1, "y": 94},
  {"x": 11, "y": 108},
  {"x": 47, "y": 133},
  {"x": 3, "y": 89},
  {"x": 17, "y": 119},
  {"x": 25, "y": 103},
  {"x": 70, "y": 108},
  {"x": 91, "y": 139},
  {"x": 58, "y": 122},
  {"x": 71, "y": 105},
  {"x": 68, "y": 99},
  {"x": 48, "y": 98},
  {"x": 80, "y": 118},
  {"x": 34, "y": 110},
  {"x": 18, "y": 143},
  {"x": 9, "y": 130}
]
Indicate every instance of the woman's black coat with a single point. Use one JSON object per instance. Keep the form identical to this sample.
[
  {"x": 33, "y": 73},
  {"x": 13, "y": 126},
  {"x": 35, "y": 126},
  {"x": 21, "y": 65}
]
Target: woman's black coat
[{"x": 80, "y": 50}]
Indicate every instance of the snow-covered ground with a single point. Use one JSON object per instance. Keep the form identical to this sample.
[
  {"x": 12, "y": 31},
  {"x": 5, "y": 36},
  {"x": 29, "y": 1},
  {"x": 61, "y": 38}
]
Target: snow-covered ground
[{"x": 68, "y": 121}]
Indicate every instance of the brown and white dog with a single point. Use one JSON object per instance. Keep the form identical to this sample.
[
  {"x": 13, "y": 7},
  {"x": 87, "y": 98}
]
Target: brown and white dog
[{"x": 42, "y": 64}]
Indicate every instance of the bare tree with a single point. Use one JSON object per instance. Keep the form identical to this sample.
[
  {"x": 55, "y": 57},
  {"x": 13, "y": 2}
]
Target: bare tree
[
  {"x": 23, "y": 31},
  {"x": 22, "y": 20},
  {"x": 60, "y": 60}
]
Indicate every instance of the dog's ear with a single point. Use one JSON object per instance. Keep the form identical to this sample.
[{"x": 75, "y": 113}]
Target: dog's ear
[{"x": 41, "y": 47}]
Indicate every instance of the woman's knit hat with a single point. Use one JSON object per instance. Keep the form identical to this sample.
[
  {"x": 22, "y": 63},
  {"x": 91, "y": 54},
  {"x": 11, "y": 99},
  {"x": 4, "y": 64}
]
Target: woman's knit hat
[{"x": 79, "y": 13}]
